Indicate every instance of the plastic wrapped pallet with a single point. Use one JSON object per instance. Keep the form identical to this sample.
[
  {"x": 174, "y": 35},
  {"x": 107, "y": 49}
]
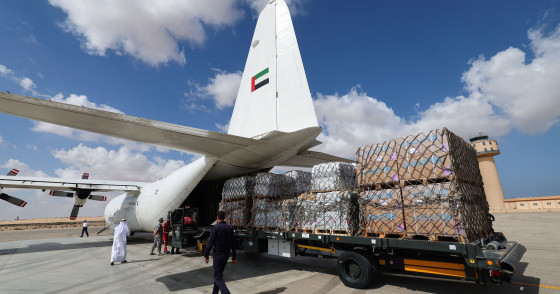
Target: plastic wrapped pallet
[
  {"x": 333, "y": 176},
  {"x": 267, "y": 213},
  {"x": 300, "y": 181},
  {"x": 272, "y": 185},
  {"x": 338, "y": 212},
  {"x": 238, "y": 212},
  {"x": 237, "y": 188}
]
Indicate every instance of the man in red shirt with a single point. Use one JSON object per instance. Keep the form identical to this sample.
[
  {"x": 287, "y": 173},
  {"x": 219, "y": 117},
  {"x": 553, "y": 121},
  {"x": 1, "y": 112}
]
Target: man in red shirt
[{"x": 166, "y": 230}]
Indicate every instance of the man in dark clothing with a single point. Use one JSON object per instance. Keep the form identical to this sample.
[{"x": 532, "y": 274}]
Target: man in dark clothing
[{"x": 221, "y": 239}]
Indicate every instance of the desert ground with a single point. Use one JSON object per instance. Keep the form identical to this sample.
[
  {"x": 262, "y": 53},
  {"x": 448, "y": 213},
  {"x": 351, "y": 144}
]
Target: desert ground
[{"x": 50, "y": 223}]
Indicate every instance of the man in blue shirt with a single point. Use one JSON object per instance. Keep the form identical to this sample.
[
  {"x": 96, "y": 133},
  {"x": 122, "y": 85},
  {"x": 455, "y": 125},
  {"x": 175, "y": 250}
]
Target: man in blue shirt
[{"x": 222, "y": 240}]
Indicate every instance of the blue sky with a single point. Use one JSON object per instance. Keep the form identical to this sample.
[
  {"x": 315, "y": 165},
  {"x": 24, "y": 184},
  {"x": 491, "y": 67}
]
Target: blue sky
[{"x": 377, "y": 70}]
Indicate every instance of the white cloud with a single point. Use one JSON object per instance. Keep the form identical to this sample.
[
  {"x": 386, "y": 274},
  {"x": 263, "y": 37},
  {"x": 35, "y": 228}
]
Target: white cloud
[
  {"x": 222, "y": 89},
  {"x": 121, "y": 164},
  {"x": 24, "y": 169},
  {"x": 27, "y": 84},
  {"x": 505, "y": 92},
  {"x": 150, "y": 31},
  {"x": 4, "y": 71}
]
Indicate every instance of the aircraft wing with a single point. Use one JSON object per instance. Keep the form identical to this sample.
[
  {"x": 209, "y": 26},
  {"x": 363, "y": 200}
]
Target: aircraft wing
[
  {"x": 68, "y": 184},
  {"x": 153, "y": 132},
  {"x": 311, "y": 158}
]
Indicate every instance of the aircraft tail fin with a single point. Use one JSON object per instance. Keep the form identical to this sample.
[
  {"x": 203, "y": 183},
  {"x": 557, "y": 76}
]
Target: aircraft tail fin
[{"x": 274, "y": 94}]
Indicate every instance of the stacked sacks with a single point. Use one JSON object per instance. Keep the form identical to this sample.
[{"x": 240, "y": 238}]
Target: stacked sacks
[
  {"x": 299, "y": 180},
  {"x": 299, "y": 183},
  {"x": 237, "y": 201},
  {"x": 424, "y": 185},
  {"x": 270, "y": 191},
  {"x": 331, "y": 206}
]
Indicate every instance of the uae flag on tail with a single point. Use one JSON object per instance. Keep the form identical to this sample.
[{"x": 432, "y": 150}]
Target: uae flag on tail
[{"x": 259, "y": 80}]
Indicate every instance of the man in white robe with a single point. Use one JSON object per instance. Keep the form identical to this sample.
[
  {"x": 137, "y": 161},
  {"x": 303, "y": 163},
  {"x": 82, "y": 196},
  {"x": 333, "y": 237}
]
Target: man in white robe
[{"x": 118, "y": 253}]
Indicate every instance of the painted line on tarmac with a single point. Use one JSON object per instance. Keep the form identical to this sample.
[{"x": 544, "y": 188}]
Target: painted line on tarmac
[{"x": 536, "y": 285}]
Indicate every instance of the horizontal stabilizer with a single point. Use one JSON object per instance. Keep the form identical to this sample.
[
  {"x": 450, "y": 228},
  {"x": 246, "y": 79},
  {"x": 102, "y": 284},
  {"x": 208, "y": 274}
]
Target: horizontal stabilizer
[
  {"x": 118, "y": 125},
  {"x": 13, "y": 200},
  {"x": 311, "y": 158},
  {"x": 60, "y": 193},
  {"x": 98, "y": 197}
]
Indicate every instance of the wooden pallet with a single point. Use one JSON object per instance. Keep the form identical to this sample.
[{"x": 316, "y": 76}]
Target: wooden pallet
[
  {"x": 305, "y": 230},
  {"x": 389, "y": 235},
  {"x": 268, "y": 228}
]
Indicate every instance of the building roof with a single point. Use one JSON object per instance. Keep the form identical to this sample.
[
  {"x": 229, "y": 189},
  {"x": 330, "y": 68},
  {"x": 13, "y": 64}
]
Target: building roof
[{"x": 533, "y": 198}]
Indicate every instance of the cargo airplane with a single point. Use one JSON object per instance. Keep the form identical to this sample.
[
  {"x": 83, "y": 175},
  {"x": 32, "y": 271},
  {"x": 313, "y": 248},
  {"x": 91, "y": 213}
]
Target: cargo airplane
[{"x": 273, "y": 123}]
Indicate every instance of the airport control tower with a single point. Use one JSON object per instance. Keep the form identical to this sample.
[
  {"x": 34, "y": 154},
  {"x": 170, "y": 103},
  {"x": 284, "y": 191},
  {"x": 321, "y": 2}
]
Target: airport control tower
[{"x": 486, "y": 150}]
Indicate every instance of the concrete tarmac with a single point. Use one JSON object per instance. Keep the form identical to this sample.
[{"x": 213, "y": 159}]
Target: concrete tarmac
[{"x": 59, "y": 261}]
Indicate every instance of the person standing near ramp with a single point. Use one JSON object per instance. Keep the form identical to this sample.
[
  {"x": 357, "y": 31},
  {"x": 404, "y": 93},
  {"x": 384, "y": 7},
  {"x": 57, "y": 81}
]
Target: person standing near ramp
[
  {"x": 166, "y": 230},
  {"x": 222, "y": 240},
  {"x": 158, "y": 237},
  {"x": 118, "y": 254}
]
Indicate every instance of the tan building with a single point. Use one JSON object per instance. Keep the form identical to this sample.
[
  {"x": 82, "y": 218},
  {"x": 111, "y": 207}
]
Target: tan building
[
  {"x": 533, "y": 203},
  {"x": 486, "y": 150}
]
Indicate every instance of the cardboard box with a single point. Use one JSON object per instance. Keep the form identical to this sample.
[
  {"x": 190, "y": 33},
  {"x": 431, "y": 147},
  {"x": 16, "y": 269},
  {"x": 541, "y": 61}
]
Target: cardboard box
[
  {"x": 427, "y": 194},
  {"x": 378, "y": 172},
  {"x": 382, "y": 197},
  {"x": 432, "y": 220},
  {"x": 378, "y": 220}
]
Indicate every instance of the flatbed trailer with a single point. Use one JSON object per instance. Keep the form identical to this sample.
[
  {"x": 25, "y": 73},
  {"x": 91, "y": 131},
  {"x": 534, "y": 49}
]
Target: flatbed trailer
[{"x": 362, "y": 259}]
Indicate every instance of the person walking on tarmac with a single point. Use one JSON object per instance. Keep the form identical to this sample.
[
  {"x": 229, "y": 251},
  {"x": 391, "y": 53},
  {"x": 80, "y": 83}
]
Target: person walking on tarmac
[
  {"x": 221, "y": 239},
  {"x": 166, "y": 230},
  {"x": 158, "y": 237}
]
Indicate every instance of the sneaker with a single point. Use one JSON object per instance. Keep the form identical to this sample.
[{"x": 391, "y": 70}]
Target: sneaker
[
  {"x": 112, "y": 263},
  {"x": 151, "y": 253},
  {"x": 124, "y": 261}
]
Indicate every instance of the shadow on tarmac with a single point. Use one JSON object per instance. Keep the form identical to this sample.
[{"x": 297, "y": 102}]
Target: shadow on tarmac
[
  {"x": 248, "y": 266},
  {"x": 55, "y": 246}
]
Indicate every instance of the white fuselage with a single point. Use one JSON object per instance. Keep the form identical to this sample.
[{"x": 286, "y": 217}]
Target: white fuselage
[{"x": 143, "y": 209}]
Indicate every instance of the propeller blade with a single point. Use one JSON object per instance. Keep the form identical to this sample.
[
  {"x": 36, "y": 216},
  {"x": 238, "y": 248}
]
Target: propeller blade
[
  {"x": 74, "y": 212},
  {"x": 61, "y": 193},
  {"x": 85, "y": 176},
  {"x": 98, "y": 197},
  {"x": 13, "y": 200},
  {"x": 13, "y": 172},
  {"x": 102, "y": 230}
]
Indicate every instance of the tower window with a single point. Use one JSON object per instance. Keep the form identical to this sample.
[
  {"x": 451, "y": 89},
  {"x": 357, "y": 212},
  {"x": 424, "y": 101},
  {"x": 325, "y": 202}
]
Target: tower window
[
  {"x": 485, "y": 149},
  {"x": 534, "y": 204},
  {"x": 490, "y": 142},
  {"x": 492, "y": 149},
  {"x": 549, "y": 203},
  {"x": 474, "y": 145},
  {"x": 523, "y": 204}
]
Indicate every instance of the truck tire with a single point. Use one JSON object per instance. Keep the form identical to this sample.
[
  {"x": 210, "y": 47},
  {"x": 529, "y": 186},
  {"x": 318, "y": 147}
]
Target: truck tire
[{"x": 355, "y": 270}]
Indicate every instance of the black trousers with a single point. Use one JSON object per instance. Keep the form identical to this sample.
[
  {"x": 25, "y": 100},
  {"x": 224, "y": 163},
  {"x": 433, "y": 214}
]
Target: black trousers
[
  {"x": 84, "y": 230},
  {"x": 219, "y": 264}
]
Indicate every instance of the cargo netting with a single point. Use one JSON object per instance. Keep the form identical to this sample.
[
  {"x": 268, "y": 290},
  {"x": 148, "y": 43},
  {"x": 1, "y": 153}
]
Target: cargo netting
[
  {"x": 426, "y": 186},
  {"x": 330, "y": 206}
]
